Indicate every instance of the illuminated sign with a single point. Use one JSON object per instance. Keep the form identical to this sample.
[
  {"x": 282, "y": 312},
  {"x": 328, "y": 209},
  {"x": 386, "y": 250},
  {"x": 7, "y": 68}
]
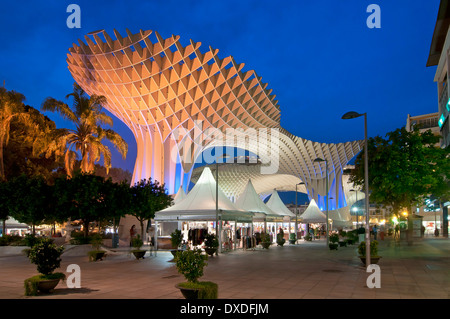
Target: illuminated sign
[{"x": 441, "y": 120}]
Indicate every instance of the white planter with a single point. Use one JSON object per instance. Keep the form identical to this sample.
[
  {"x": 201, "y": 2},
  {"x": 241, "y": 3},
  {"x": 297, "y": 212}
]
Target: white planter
[{"x": 361, "y": 237}]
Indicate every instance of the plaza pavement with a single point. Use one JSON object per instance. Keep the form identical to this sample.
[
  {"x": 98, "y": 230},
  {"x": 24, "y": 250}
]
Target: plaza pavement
[{"x": 308, "y": 270}]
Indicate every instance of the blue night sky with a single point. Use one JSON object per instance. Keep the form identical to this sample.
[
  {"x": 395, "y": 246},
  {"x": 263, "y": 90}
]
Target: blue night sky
[{"x": 319, "y": 57}]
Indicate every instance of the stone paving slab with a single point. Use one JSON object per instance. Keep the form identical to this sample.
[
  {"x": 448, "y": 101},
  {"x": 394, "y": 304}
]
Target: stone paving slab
[{"x": 308, "y": 270}]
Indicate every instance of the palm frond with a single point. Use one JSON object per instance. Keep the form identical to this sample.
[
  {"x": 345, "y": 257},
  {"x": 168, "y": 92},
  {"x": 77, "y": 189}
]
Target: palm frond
[{"x": 53, "y": 105}]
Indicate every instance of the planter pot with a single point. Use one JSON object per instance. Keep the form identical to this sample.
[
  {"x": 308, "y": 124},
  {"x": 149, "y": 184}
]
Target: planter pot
[
  {"x": 96, "y": 255},
  {"x": 350, "y": 241},
  {"x": 47, "y": 285},
  {"x": 373, "y": 260},
  {"x": 265, "y": 245},
  {"x": 175, "y": 251},
  {"x": 292, "y": 241},
  {"x": 139, "y": 253},
  {"x": 207, "y": 290},
  {"x": 210, "y": 251},
  {"x": 343, "y": 244},
  {"x": 281, "y": 243},
  {"x": 188, "y": 293},
  {"x": 361, "y": 237},
  {"x": 333, "y": 246}
]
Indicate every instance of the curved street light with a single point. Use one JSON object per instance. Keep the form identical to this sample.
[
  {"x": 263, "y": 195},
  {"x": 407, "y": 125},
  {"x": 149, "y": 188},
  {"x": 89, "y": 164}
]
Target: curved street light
[{"x": 352, "y": 115}]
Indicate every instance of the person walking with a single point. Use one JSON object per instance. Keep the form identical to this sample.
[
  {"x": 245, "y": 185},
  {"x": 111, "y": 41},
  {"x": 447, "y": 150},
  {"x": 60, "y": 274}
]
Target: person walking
[
  {"x": 132, "y": 234},
  {"x": 375, "y": 230}
]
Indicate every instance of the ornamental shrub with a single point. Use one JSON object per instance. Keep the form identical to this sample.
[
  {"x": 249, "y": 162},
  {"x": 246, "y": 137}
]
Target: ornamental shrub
[
  {"x": 190, "y": 264},
  {"x": 211, "y": 241},
  {"x": 373, "y": 248},
  {"x": 46, "y": 255}
]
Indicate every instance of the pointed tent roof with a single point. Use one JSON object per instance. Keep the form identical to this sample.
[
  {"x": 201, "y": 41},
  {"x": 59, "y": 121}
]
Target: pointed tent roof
[
  {"x": 312, "y": 214},
  {"x": 250, "y": 201},
  {"x": 341, "y": 217},
  {"x": 276, "y": 204},
  {"x": 179, "y": 196},
  {"x": 200, "y": 204}
]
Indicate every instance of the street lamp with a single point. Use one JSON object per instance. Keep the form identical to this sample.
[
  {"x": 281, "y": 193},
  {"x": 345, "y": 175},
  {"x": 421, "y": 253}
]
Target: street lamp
[
  {"x": 296, "y": 209},
  {"x": 318, "y": 160},
  {"x": 352, "y": 115}
]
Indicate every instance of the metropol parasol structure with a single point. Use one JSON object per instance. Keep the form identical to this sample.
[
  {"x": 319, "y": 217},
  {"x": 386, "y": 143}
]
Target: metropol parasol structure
[{"x": 180, "y": 102}]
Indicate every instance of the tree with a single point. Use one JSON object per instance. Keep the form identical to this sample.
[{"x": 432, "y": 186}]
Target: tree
[
  {"x": 11, "y": 107},
  {"x": 88, "y": 198},
  {"x": 29, "y": 149},
  {"x": 88, "y": 116},
  {"x": 147, "y": 198},
  {"x": 5, "y": 198},
  {"x": 30, "y": 200},
  {"x": 404, "y": 168},
  {"x": 81, "y": 198}
]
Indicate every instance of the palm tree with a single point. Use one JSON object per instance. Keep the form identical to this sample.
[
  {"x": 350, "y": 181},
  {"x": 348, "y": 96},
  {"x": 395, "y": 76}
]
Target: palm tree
[
  {"x": 88, "y": 116},
  {"x": 11, "y": 107}
]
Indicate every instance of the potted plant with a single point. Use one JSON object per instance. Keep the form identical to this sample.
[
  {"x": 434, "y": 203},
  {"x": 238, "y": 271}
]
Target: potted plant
[
  {"x": 30, "y": 240},
  {"x": 334, "y": 239},
  {"x": 280, "y": 239},
  {"x": 97, "y": 253},
  {"x": 374, "y": 257},
  {"x": 137, "y": 244},
  {"x": 190, "y": 264},
  {"x": 265, "y": 240},
  {"x": 176, "y": 238},
  {"x": 343, "y": 238},
  {"x": 292, "y": 239},
  {"x": 47, "y": 256},
  {"x": 307, "y": 237},
  {"x": 351, "y": 238},
  {"x": 211, "y": 244}
]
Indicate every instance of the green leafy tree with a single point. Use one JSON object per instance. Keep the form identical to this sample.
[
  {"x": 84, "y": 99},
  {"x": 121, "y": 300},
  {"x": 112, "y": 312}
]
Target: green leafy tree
[
  {"x": 147, "y": 198},
  {"x": 89, "y": 198},
  {"x": 30, "y": 200},
  {"x": 11, "y": 108},
  {"x": 87, "y": 138},
  {"x": 404, "y": 169},
  {"x": 82, "y": 197},
  {"x": 5, "y": 198}
]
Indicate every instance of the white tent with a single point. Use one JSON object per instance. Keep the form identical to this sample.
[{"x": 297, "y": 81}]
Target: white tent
[
  {"x": 200, "y": 204},
  {"x": 312, "y": 214},
  {"x": 250, "y": 201},
  {"x": 179, "y": 196},
  {"x": 276, "y": 205},
  {"x": 341, "y": 217}
]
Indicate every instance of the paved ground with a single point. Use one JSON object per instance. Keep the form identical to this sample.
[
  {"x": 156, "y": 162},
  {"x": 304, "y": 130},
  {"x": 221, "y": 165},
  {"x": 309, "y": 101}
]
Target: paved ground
[{"x": 308, "y": 270}]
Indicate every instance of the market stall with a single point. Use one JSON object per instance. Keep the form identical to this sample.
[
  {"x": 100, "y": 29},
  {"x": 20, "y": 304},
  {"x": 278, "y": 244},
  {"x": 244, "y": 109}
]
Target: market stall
[
  {"x": 199, "y": 206},
  {"x": 285, "y": 215}
]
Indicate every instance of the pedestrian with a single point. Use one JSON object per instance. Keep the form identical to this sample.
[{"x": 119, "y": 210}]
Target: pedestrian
[
  {"x": 132, "y": 234},
  {"x": 397, "y": 228},
  {"x": 375, "y": 230}
]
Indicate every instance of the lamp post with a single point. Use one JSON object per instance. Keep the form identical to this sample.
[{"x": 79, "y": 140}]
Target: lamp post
[
  {"x": 352, "y": 115},
  {"x": 318, "y": 160},
  {"x": 296, "y": 209}
]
